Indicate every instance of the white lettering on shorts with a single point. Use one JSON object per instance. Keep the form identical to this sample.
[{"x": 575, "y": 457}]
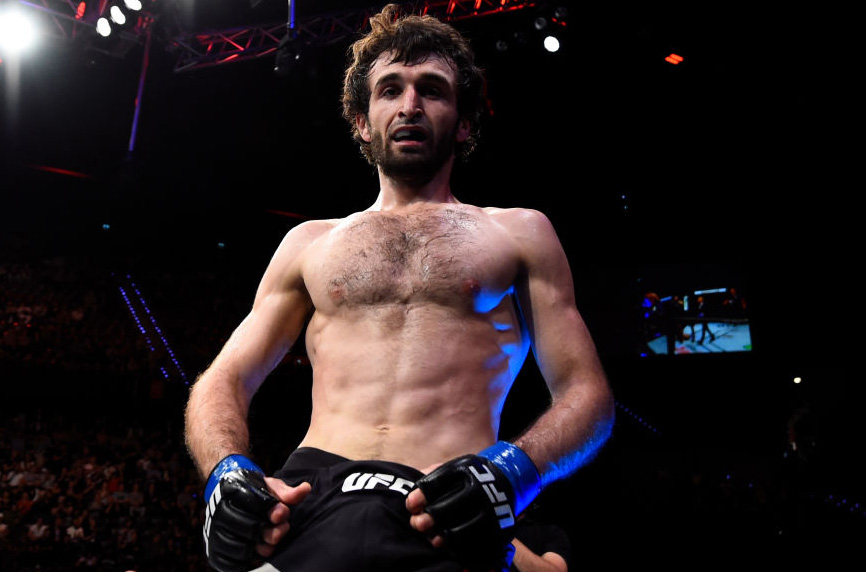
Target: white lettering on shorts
[{"x": 368, "y": 481}]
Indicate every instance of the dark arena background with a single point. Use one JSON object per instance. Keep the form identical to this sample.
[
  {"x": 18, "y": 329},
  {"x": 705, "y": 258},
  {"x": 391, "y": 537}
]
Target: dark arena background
[{"x": 682, "y": 150}]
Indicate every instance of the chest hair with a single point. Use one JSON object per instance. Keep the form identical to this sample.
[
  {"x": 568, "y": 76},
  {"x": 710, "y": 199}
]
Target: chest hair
[{"x": 384, "y": 257}]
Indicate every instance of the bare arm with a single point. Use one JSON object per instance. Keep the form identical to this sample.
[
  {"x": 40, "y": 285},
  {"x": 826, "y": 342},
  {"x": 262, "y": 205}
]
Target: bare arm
[
  {"x": 579, "y": 420},
  {"x": 216, "y": 413}
]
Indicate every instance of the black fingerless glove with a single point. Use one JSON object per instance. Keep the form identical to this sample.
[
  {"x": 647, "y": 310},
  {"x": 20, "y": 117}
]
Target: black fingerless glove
[
  {"x": 238, "y": 503},
  {"x": 474, "y": 500}
]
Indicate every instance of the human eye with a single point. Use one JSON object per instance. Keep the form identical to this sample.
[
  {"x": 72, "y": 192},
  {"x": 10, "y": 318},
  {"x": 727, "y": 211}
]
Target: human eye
[
  {"x": 434, "y": 88},
  {"x": 432, "y": 92},
  {"x": 388, "y": 90}
]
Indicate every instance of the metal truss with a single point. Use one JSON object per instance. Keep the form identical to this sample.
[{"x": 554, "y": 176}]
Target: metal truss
[
  {"x": 195, "y": 50},
  {"x": 61, "y": 20},
  {"x": 241, "y": 44}
]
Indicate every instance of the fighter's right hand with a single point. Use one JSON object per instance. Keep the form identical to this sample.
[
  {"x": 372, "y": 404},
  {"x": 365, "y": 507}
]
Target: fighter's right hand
[{"x": 245, "y": 517}]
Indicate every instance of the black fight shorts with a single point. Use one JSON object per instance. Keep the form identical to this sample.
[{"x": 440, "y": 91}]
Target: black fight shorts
[{"x": 353, "y": 520}]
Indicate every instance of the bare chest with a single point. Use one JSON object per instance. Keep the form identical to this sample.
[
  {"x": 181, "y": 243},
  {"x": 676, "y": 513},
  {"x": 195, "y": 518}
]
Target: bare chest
[{"x": 450, "y": 256}]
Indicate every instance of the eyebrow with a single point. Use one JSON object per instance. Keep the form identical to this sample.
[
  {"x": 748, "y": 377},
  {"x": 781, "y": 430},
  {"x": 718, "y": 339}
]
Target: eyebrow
[{"x": 432, "y": 77}]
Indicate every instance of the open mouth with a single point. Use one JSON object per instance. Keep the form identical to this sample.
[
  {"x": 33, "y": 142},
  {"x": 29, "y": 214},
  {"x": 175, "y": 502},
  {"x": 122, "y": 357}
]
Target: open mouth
[{"x": 415, "y": 135}]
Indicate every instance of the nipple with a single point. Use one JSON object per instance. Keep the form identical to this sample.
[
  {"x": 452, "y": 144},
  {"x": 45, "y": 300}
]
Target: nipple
[
  {"x": 337, "y": 292},
  {"x": 472, "y": 287}
]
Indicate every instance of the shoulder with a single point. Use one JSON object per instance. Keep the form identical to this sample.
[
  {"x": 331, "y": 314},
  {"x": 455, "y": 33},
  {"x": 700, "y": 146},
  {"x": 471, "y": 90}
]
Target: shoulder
[
  {"x": 530, "y": 227},
  {"x": 519, "y": 219},
  {"x": 301, "y": 236},
  {"x": 310, "y": 230},
  {"x": 514, "y": 213},
  {"x": 288, "y": 259}
]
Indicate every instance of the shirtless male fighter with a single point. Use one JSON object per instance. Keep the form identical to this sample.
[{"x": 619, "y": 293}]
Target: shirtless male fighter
[{"x": 419, "y": 314}]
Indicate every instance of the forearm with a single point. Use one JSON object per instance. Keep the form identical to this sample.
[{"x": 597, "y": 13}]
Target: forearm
[
  {"x": 570, "y": 432},
  {"x": 216, "y": 422}
]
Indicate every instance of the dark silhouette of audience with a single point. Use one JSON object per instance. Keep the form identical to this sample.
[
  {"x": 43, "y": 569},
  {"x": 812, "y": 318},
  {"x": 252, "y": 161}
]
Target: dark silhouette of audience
[{"x": 88, "y": 493}]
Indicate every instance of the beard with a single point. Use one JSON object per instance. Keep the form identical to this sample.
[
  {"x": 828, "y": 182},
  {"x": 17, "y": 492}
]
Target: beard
[{"x": 415, "y": 168}]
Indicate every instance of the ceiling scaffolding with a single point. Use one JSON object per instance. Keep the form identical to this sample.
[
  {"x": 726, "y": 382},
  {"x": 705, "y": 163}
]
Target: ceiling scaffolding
[{"x": 193, "y": 50}]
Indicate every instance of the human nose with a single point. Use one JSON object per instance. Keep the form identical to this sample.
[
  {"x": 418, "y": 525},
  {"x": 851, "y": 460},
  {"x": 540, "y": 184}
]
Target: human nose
[{"x": 411, "y": 103}]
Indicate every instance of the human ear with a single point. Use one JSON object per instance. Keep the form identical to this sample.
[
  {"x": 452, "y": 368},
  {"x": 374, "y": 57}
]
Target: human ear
[
  {"x": 363, "y": 128},
  {"x": 463, "y": 130}
]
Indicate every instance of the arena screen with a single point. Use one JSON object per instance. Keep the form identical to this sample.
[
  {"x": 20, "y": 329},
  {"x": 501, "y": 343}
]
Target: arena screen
[{"x": 694, "y": 309}]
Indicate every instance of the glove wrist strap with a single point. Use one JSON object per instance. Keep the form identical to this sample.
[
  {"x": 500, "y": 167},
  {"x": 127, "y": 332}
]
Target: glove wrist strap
[
  {"x": 227, "y": 465},
  {"x": 519, "y": 469}
]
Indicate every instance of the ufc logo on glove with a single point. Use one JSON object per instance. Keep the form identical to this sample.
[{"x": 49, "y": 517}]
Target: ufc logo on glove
[{"x": 498, "y": 499}]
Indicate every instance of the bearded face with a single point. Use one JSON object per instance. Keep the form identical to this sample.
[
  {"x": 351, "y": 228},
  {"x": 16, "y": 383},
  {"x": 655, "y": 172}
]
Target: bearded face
[
  {"x": 416, "y": 164},
  {"x": 412, "y": 123}
]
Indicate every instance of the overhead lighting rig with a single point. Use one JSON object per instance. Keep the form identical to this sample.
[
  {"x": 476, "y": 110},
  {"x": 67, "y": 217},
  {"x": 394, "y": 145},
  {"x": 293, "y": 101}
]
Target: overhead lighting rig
[
  {"x": 121, "y": 13},
  {"x": 198, "y": 50},
  {"x": 96, "y": 23}
]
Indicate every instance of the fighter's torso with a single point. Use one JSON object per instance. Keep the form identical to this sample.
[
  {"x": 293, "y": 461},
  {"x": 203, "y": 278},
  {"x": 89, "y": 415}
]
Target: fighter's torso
[
  {"x": 451, "y": 255},
  {"x": 416, "y": 328}
]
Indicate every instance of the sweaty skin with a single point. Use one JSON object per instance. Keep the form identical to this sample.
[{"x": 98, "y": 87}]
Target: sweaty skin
[{"x": 421, "y": 311}]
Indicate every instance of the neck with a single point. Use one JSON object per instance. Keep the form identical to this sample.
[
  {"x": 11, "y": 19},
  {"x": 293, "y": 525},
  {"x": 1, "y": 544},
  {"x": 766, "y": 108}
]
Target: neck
[{"x": 396, "y": 193}]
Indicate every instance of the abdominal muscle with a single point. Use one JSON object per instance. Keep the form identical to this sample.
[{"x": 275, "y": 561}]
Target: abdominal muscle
[{"x": 412, "y": 384}]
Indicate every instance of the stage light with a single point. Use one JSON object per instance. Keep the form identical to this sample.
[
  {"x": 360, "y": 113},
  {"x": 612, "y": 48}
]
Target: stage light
[
  {"x": 551, "y": 44},
  {"x": 17, "y": 31},
  {"x": 103, "y": 28},
  {"x": 544, "y": 29},
  {"x": 117, "y": 15},
  {"x": 551, "y": 25}
]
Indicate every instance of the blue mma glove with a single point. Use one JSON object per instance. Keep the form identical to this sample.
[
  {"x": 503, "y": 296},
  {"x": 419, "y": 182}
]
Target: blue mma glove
[
  {"x": 474, "y": 501},
  {"x": 238, "y": 503}
]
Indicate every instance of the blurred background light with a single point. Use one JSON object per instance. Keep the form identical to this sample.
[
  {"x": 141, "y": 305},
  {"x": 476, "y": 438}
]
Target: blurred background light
[{"x": 18, "y": 32}]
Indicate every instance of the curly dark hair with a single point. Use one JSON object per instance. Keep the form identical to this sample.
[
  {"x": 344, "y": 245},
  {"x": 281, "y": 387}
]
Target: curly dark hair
[{"x": 413, "y": 38}]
